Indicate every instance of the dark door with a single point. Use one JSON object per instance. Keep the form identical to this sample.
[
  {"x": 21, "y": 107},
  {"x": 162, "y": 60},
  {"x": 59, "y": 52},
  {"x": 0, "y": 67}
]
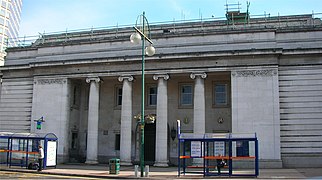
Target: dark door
[{"x": 149, "y": 143}]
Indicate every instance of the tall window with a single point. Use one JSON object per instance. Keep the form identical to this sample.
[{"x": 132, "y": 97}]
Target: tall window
[
  {"x": 220, "y": 94},
  {"x": 74, "y": 140},
  {"x": 76, "y": 96},
  {"x": 186, "y": 95},
  {"x": 117, "y": 144},
  {"x": 152, "y": 99},
  {"x": 118, "y": 94}
]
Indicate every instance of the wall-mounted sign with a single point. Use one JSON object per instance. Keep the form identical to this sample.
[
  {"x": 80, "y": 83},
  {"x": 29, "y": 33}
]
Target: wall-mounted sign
[{"x": 51, "y": 153}]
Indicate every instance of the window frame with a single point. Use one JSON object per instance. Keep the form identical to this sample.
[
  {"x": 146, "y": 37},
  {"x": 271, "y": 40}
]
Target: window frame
[
  {"x": 227, "y": 85},
  {"x": 148, "y": 95},
  {"x": 181, "y": 105},
  {"x": 117, "y": 99}
]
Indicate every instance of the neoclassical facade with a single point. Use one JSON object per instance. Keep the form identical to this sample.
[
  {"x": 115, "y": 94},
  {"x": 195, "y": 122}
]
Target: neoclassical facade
[{"x": 263, "y": 77}]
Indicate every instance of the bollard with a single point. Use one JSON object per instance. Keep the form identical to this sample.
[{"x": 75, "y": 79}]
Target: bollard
[
  {"x": 136, "y": 167},
  {"x": 146, "y": 170}
]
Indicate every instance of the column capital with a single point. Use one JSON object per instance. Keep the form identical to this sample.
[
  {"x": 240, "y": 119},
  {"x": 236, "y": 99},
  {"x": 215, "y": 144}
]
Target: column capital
[
  {"x": 203, "y": 75},
  {"x": 164, "y": 76},
  {"x": 128, "y": 77},
  {"x": 96, "y": 79}
]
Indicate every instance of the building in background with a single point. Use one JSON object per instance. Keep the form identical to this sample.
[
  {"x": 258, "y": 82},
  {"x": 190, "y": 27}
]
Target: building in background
[{"x": 9, "y": 25}]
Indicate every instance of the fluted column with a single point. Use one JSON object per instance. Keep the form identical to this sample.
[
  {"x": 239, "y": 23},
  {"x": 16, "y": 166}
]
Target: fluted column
[
  {"x": 199, "y": 107},
  {"x": 126, "y": 120},
  {"x": 161, "y": 144},
  {"x": 93, "y": 115}
]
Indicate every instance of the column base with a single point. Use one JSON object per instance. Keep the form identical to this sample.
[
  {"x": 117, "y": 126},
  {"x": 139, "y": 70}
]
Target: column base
[
  {"x": 91, "y": 162},
  {"x": 161, "y": 164}
]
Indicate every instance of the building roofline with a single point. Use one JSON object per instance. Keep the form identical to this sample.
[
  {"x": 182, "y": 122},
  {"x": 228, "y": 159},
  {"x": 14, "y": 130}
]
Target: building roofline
[{"x": 172, "y": 29}]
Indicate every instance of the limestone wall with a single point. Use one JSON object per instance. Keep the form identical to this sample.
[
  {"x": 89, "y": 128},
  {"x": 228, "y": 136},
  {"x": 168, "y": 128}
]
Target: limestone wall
[
  {"x": 301, "y": 116},
  {"x": 16, "y": 104},
  {"x": 255, "y": 109},
  {"x": 51, "y": 101}
]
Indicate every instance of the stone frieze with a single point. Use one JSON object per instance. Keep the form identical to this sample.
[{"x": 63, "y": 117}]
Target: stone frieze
[
  {"x": 254, "y": 73},
  {"x": 51, "y": 81}
]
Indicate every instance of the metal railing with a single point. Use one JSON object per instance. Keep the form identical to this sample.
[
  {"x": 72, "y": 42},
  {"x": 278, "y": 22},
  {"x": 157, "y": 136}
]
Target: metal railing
[{"x": 219, "y": 23}]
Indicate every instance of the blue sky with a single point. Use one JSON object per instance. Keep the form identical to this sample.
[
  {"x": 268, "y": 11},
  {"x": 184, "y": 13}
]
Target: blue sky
[{"x": 39, "y": 16}]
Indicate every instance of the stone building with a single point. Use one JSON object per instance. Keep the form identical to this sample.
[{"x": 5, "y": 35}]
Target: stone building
[{"x": 262, "y": 77}]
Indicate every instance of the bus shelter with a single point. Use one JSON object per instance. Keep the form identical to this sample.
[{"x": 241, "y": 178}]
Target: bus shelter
[
  {"x": 218, "y": 154},
  {"x": 21, "y": 149}
]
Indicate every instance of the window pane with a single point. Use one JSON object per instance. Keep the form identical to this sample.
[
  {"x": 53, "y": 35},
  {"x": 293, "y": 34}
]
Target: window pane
[
  {"x": 153, "y": 100},
  {"x": 152, "y": 96},
  {"x": 153, "y": 90},
  {"x": 186, "y": 95},
  {"x": 119, "y": 96},
  {"x": 2, "y": 12},
  {"x": 186, "y": 89},
  {"x": 220, "y": 94}
]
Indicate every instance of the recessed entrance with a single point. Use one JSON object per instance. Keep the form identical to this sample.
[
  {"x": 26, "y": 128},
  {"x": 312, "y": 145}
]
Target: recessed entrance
[{"x": 149, "y": 143}]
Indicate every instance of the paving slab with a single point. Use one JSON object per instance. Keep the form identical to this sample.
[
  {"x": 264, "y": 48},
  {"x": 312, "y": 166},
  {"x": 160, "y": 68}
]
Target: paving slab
[{"x": 127, "y": 172}]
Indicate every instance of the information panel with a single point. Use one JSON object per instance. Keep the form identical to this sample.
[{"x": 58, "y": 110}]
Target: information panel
[
  {"x": 220, "y": 148},
  {"x": 51, "y": 153},
  {"x": 195, "y": 149}
]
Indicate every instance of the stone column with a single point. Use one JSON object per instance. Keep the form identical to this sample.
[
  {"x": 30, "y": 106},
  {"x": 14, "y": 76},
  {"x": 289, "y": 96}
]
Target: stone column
[
  {"x": 199, "y": 109},
  {"x": 93, "y": 114},
  {"x": 161, "y": 144},
  {"x": 126, "y": 120}
]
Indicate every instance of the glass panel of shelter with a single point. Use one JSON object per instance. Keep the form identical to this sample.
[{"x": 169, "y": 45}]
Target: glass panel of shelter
[
  {"x": 237, "y": 154},
  {"x": 22, "y": 149}
]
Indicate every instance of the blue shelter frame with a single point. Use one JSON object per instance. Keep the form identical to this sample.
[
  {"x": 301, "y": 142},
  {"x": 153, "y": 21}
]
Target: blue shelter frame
[
  {"x": 20, "y": 149},
  {"x": 228, "y": 151}
]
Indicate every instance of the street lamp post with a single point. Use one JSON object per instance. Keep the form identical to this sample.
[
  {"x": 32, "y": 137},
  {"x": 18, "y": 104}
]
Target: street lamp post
[{"x": 142, "y": 34}]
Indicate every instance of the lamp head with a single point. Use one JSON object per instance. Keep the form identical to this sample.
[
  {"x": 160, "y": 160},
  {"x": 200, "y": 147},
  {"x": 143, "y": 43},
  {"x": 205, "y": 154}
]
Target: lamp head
[
  {"x": 150, "y": 50},
  {"x": 135, "y": 38}
]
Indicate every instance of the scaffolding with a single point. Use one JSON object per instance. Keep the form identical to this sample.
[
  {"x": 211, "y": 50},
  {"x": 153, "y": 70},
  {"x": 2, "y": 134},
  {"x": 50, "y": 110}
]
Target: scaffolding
[{"x": 233, "y": 14}]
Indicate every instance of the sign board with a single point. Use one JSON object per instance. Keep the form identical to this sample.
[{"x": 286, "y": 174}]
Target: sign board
[
  {"x": 219, "y": 148},
  {"x": 51, "y": 153},
  {"x": 196, "y": 149}
]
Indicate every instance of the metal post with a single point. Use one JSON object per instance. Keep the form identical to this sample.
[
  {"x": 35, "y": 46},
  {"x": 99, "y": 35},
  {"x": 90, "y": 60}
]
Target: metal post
[
  {"x": 179, "y": 143},
  {"x": 145, "y": 36},
  {"x": 147, "y": 169},
  {"x": 136, "y": 167},
  {"x": 142, "y": 103},
  {"x": 256, "y": 158}
]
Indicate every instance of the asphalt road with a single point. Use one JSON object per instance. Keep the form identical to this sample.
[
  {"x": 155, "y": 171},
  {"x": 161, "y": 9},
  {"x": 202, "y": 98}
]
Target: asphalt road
[{"x": 21, "y": 175}]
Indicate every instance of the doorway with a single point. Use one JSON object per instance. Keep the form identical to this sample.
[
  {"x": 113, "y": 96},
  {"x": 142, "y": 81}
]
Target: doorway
[{"x": 149, "y": 143}]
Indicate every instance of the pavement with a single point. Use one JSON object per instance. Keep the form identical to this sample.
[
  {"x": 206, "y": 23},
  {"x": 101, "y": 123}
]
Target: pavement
[{"x": 127, "y": 172}]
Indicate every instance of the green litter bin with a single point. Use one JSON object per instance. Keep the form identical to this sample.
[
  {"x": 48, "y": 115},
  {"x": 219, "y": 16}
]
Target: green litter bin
[{"x": 114, "y": 165}]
